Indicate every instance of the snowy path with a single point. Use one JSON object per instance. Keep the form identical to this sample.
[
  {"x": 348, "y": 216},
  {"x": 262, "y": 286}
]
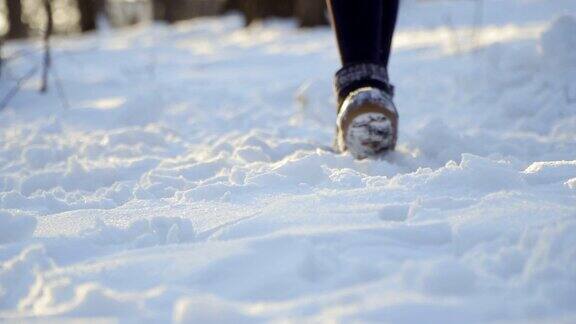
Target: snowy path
[{"x": 190, "y": 180}]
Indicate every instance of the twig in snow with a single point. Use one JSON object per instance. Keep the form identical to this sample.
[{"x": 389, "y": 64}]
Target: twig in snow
[
  {"x": 6, "y": 100},
  {"x": 1, "y": 57},
  {"x": 19, "y": 54},
  {"x": 47, "y": 63},
  {"x": 60, "y": 89},
  {"x": 22, "y": 53}
]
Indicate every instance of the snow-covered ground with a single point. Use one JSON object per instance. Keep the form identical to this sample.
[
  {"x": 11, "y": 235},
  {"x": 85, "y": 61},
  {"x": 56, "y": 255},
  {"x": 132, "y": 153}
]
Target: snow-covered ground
[{"x": 191, "y": 179}]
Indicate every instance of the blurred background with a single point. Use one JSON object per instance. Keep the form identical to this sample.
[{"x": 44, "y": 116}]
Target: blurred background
[{"x": 27, "y": 18}]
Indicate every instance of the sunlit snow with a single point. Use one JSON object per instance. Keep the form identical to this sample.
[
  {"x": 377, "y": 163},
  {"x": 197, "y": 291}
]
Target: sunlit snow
[{"x": 191, "y": 179}]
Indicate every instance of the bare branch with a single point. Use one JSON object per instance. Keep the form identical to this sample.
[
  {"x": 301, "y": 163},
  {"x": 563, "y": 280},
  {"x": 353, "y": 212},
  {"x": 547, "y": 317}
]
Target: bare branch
[
  {"x": 6, "y": 100},
  {"x": 47, "y": 34},
  {"x": 60, "y": 89},
  {"x": 1, "y": 56}
]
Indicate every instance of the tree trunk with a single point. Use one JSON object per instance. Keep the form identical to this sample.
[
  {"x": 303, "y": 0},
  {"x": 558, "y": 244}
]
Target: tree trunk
[
  {"x": 158, "y": 9},
  {"x": 88, "y": 14},
  {"x": 311, "y": 13},
  {"x": 17, "y": 27},
  {"x": 261, "y": 9},
  {"x": 169, "y": 10},
  {"x": 232, "y": 5}
]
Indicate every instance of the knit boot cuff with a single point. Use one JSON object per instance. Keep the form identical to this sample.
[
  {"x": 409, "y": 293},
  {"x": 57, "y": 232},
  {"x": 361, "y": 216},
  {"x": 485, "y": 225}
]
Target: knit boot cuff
[{"x": 357, "y": 75}]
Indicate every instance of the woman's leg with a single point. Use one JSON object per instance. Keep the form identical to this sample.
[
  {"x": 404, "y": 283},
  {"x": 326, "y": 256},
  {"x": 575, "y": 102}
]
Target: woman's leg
[
  {"x": 364, "y": 30},
  {"x": 367, "y": 122},
  {"x": 389, "y": 15},
  {"x": 357, "y": 24}
]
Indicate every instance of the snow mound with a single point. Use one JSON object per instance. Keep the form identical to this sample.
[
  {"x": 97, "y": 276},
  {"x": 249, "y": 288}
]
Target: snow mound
[
  {"x": 185, "y": 182},
  {"x": 550, "y": 172},
  {"x": 143, "y": 233}
]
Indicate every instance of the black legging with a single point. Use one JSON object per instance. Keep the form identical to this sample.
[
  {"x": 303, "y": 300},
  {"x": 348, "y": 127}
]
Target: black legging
[{"x": 364, "y": 29}]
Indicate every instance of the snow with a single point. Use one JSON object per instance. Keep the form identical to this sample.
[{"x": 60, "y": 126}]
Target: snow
[{"x": 191, "y": 178}]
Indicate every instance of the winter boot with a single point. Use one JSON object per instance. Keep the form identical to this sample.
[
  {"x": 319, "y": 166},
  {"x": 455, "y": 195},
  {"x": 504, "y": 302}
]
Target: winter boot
[{"x": 367, "y": 122}]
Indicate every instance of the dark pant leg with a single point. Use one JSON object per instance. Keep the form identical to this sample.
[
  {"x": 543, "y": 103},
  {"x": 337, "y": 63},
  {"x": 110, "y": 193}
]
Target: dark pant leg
[
  {"x": 364, "y": 29},
  {"x": 389, "y": 16},
  {"x": 357, "y": 25}
]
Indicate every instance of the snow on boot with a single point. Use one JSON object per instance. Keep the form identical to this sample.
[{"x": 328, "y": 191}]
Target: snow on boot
[{"x": 367, "y": 122}]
